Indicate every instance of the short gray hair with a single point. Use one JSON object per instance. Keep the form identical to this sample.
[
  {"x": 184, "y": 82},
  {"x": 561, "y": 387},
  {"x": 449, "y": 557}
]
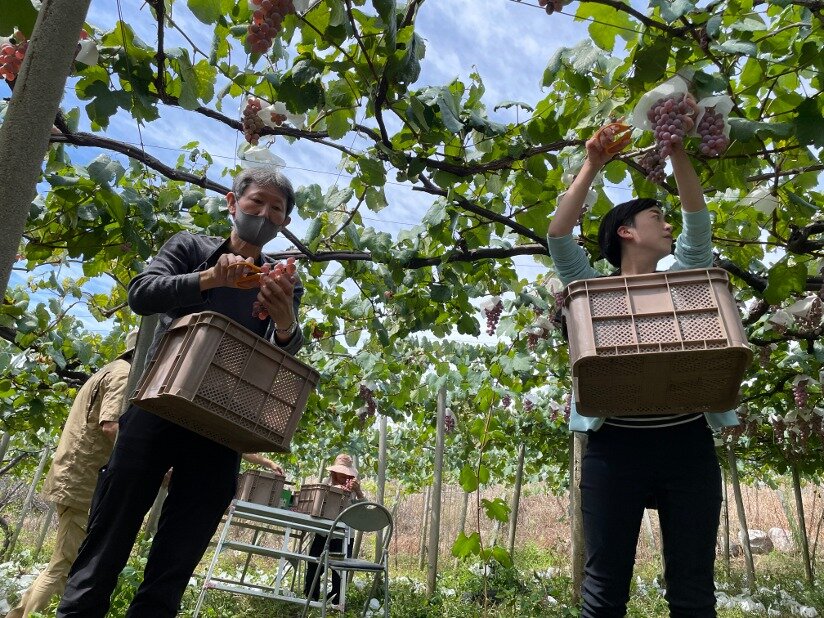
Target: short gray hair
[{"x": 264, "y": 177}]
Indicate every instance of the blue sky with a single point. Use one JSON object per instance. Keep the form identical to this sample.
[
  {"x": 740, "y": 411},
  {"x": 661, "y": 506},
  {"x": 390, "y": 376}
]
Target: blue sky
[{"x": 507, "y": 42}]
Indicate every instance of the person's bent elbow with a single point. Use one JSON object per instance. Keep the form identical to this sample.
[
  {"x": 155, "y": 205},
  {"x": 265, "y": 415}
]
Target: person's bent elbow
[{"x": 557, "y": 230}]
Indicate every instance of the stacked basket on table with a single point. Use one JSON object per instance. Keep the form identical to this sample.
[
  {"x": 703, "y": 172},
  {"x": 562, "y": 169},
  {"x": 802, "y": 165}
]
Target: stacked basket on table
[
  {"x": 262, "y": 487},
  {"x": 220, "y": 380},
  {"x": 668, "y": 342},
  {"x": 321, "y": 500}
]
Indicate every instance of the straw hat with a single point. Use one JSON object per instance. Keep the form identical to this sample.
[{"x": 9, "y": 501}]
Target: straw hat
[
  {"x": 343, "y": 465},
  {"x": 131, "y": 343}
]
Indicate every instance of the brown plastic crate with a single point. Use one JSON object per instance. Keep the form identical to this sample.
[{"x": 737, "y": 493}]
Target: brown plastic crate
[
  {"x": 663, "y": 343},
  {"x": 321, "y": 500},
  {"x": 261, "y": 487},
  {"x": 223, "y": 382}
]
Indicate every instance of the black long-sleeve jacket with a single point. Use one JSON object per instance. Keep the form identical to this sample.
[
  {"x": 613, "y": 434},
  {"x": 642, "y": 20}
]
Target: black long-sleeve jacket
[{"x": 170, "y": 285}]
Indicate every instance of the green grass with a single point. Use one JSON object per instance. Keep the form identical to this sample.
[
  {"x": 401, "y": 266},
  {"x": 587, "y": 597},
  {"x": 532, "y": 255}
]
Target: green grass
[{"x": 537, "y": 585}]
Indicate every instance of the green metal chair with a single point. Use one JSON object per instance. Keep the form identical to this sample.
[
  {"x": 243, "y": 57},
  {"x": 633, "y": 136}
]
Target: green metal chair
[{"x": 365, "y": 517}]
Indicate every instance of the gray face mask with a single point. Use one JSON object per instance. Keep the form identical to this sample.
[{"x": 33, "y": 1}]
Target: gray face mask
[{"x": 254, "y": 229}]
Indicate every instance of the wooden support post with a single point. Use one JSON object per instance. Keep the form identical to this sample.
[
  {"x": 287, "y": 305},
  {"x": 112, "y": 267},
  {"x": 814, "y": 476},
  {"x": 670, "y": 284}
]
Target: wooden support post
[
  {"x": 802, "y": 525},
  {"x": 424, "y": 524},
  {"x": 725, "y": 515},
  {"x": 145, "y": 334},
  {"x": 742, "y": 518},
  {"x": 437, "y": 486},
  {"x": 153, "y": 519},
  {"x": 578, "y": 445},
  {"x": 44, "y": 458},
  {"x": 4, "y": 446},
  {"x": 44, "y": 530},
  {"x": 516, "y": 499},
  {"x": 381, "y": 474}
]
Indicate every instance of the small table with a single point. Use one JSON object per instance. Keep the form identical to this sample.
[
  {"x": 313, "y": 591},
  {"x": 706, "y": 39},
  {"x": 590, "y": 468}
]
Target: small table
[{"x": 292, "y": 528}]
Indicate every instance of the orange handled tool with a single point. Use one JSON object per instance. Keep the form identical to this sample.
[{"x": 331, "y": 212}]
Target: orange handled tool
[
  {"x": 614, "y": 136},
  {"x": 251, "y": 280}
]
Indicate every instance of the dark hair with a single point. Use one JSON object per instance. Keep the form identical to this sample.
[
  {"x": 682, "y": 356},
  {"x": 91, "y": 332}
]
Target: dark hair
[{"x": 622, "y": 214}]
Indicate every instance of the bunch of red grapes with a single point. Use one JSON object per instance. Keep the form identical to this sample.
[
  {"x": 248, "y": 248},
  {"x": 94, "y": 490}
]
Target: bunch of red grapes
[
  {"x": 273, "y": 272},
  {"x": 800, "y": 394},
  {"x": 449, "y": 423},
  {"x": 653, "y": 164},
  {"x": 711, "y": 131},
  {"x": 267, "y": 21},
  {"x": 493, "y": 314},
  {"x": 672, "y": 118},
  {"x": 252, "y": 123},
  {"x": 529, "y": 405},
  {"x": 506, "y": 401},
  {"x": 367, "y": 395},
  {"x": 12, "y": 53}
]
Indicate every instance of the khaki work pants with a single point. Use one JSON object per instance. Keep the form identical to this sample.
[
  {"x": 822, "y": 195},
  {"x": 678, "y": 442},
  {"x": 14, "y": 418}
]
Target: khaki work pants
[{"x": 71, "y": 529}]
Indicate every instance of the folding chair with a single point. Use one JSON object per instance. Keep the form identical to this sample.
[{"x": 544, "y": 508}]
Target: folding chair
[{"x": 366, "y": 517}]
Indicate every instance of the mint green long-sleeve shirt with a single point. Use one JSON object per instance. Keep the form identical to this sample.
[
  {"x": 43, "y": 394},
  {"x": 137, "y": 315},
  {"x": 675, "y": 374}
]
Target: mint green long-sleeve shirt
[{"x": 693, "y": 249}]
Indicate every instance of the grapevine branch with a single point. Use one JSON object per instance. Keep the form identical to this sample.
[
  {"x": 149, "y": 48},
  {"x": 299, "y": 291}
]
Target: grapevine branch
[
  {"x": 618, "y": 5},
  {"x": 159, "y": 7},
  {"x": 430, "y": 187},
  {"x": 759, "y": 284},
  {"x": 485, "y": 253},
  {"x": 755, "y": 281},
  {"x": 89, "y": 139},
  {"x": 67, "y": 374},
  {"x": 780, "y": 387}
]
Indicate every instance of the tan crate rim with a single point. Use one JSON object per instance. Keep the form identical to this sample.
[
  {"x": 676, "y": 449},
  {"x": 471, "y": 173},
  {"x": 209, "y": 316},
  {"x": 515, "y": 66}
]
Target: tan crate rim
[{"x": 692, "y": 275}]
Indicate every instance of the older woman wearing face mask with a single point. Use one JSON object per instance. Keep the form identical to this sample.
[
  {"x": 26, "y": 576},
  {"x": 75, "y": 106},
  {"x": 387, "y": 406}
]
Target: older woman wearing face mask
[{"x": 191, "y": 273}]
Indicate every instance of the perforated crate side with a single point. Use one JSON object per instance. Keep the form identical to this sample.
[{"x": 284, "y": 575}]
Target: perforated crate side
[
  {"x": 218, "y": 379},
  {"x": 321, "y": 500},
  {"x": 635, "y": 364}
]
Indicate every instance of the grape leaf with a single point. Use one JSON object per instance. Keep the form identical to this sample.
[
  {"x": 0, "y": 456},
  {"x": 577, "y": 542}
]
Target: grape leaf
[
  {"x": 466, "y": 545},
  {"x": 783, "y": 280},
  {"x": 207, "y": 11},
  {"x": 17, "y": 14},
  {"x": 809, "y": 123}
]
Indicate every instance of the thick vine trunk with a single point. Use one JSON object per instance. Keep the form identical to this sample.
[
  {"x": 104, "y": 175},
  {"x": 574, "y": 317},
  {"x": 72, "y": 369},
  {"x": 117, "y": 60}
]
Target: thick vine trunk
[{"x": 24, "y": 135}]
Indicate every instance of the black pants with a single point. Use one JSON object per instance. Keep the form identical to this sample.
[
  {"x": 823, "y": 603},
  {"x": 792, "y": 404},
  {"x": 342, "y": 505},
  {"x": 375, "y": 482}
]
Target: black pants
[
  {"x": 202, "y": 485},
  {"x": 622, "y": 471},
  {"x": 316, "y": 549}
]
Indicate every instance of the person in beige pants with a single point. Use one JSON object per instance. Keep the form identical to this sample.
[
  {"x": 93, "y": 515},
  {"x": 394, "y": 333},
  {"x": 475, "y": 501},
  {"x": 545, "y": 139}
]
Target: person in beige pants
[{"x": 84, "y": 447}]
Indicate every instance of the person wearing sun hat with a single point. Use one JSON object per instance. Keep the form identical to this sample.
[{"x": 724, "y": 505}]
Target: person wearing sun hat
[
  {"x": 343, "y": 474},
  {"x": 85, "y": 445}
]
